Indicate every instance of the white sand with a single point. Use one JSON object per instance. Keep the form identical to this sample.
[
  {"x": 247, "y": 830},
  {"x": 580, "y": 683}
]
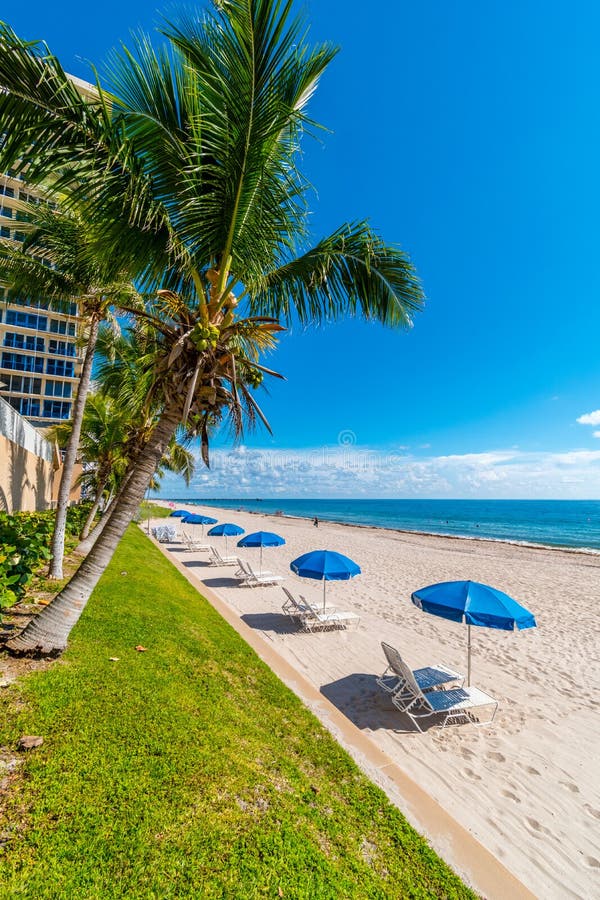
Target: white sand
[{"x": 528, "y": 786}]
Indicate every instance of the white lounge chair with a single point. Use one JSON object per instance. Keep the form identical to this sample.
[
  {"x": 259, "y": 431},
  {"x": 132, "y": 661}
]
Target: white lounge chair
[
  {"x": 455, "y": 705},
  {"x": 393, "y": 679},
  {"x": 311, "y": 618},
  {"x": 302, "y": 607},
  {"x": 217, "y": 560},
  {"x": 249, "y": 578},
  {"x": 192, "y": 543}
]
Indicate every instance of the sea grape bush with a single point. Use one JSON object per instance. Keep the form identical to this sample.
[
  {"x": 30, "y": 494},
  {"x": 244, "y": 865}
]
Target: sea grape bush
[{"x": 25, "y": 546}]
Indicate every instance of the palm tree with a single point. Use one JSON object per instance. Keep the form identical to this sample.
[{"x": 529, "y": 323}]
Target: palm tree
[
  {"x": 191, "y": 165},
  {"x": 57, "y": 261},
  {"x": 104, "y": 448}
]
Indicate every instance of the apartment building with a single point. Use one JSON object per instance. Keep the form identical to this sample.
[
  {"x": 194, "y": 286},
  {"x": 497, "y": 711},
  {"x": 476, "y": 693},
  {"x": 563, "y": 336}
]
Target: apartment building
[{"x": 40, "y": 362}]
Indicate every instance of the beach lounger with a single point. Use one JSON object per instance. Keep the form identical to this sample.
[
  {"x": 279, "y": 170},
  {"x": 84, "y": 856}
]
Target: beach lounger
[
  {"x": 192, "y": 543},
  {"x": 293, "y": 607},
  {"x": 311, "y": 618},
  {"x": 217, "y": 560},
  {"x": 249, "y": 578},
  {"x": 393, "y": 679},
  {"x": 455, "y": 705}
]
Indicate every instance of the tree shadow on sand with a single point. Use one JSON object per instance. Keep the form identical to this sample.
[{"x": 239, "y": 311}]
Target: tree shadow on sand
[
  {"x": 365, "y": 704},
  {"x": 276, "y": 622},
  {"x": 220, "y": 582}
]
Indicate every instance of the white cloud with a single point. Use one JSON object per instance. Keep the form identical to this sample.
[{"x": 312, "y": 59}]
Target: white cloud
[
  {"x": 592, "y": 418},
  {"x": 355, "y": 472},
  {"x": 596, "y": 434}
]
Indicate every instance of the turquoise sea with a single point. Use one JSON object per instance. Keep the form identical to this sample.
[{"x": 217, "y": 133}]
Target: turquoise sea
[{"x": 555, "y": 523}]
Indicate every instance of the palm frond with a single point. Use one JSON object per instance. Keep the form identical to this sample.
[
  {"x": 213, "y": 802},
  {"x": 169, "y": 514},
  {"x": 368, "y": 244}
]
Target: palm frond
[{"x": 350, "y": 272}]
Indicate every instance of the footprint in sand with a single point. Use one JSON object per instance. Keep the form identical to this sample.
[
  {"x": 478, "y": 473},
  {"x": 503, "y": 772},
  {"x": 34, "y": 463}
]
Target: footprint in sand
[
  {"x": 496, "y": 757},
  {"x": 511, "y": 796},
  {"x": 536, "y": 827},
  {"x": 471, "y": 774},
  {"x": 531, "y": 771},
  {"x": 592, "y": 862},
  {"x": 570, "y": 786},
  {"x": 593, "y": 812}
]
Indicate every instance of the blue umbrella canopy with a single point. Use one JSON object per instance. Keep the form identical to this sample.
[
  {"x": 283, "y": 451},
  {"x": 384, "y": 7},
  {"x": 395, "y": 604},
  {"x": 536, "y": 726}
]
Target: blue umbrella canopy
[
  {"x": 261, "y": 539},
  {"x": 325, "y": 565},
  {"x": 179, "y": 513},
  {"x": 475, "y": 604},
  {"x": 226, "y": 530},
  {"x": 197, "y": 519}
]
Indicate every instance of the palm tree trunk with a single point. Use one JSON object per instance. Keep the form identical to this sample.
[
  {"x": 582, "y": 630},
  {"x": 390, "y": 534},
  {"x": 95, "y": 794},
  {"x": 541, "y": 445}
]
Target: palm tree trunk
[
  {"x": 92, "y": 513},
  {"x": 84, "y": 546},
  {"x": 47, "y": 634},
  {"x": 57, "y": 547}
]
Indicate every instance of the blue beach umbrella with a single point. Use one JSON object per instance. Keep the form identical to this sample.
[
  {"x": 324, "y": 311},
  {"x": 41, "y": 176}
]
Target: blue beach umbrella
[
  {"x": 325, "y": 565},
  {"x": 179, "y": 513},
  {"x": 226, "y": 530},
  {"x": 198, "y": 519},
  {"x": 474, "y": 604},
  {"x": 261, "y": 539}
]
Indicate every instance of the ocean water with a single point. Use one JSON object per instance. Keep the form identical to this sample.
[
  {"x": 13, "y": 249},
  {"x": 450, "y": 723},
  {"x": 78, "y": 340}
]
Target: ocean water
[{"x": 555, "y": 523}]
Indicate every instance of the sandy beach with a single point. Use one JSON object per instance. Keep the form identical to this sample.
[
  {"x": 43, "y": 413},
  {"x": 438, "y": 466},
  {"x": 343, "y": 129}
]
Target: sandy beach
[{"x": 527, "y": 786}]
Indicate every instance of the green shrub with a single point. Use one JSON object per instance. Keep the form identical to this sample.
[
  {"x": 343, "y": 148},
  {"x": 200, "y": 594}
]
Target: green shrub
[
  {"x": 76, "y": 516},
  {"x": 24, "y": 546}
]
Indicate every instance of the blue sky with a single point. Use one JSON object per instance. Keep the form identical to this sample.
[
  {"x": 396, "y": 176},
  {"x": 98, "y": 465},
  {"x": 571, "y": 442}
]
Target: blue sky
[{"x": 468, "y": 133}]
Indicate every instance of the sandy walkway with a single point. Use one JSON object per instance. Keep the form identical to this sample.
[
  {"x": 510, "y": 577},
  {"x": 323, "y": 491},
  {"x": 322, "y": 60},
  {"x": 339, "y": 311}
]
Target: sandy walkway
[{"x": 528, "y": 787}]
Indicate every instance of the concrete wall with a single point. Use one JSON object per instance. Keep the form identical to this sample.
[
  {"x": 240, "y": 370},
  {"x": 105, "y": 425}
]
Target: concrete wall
[{"x": 27, "y": 464}]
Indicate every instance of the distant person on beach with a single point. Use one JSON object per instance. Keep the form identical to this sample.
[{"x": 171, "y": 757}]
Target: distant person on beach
[{"x": 316, "y": 522}]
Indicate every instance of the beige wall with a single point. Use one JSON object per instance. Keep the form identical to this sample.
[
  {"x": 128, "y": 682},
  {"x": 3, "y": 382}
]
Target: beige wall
[
  {"x": 30, "y": 467},
  {"x": 25, "y": 479},
  {"x": 75, "y": 495}
]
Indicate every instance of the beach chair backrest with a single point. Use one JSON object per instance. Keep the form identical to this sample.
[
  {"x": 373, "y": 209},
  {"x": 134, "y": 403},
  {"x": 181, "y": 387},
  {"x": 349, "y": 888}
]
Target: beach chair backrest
[
  {"x": 411, "y": 682},
  {"x": 245, "y": 567},
  {"x": 289, "y": 595},
  {"x": 394, "y": 660}
]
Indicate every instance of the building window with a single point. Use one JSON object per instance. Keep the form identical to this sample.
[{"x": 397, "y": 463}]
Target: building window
[
  {"x": 7, "y": 191},
  {"x": 59, "y": 326},
  {"x": 54, "y": 409},
  {"x": 20, "y": 363},
  {"x": 22, "y": 384},
  {"x": 58, "y": 389},
  {"x": 6, "y": 211},
  {"x": 26, "y": 320},
  {"x": 60, "y": 367},
  {"x": 24, "y": 341},
  {"x": 25, "y": 405},
  {"x": 4, "y": 231},
  {"x": 61, "y": 348},
  {"x": 11, "y": 297}
]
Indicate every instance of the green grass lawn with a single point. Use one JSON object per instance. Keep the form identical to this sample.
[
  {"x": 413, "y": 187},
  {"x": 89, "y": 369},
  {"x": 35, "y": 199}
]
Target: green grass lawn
[
  {"x": 153, "y": 511},
  {"x": 189, "y": 770}
]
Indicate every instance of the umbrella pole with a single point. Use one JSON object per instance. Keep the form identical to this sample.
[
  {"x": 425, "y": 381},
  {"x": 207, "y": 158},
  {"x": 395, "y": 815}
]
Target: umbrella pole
[
  {"x": 324, "y": 587},
  {"x": 468, "y": 655},
  {"x": 260, "y": 564}
]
